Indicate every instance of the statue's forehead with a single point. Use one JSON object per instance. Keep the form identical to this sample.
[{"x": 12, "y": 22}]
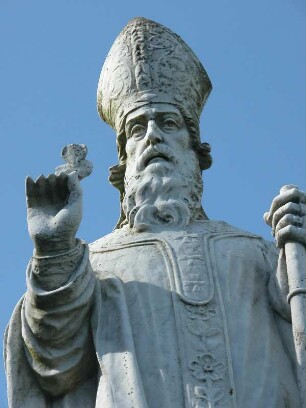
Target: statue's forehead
[{"x": 153, "y": 109}]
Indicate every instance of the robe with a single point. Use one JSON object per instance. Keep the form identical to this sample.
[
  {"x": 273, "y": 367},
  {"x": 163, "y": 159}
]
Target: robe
[{"x": 189, "y": 318}]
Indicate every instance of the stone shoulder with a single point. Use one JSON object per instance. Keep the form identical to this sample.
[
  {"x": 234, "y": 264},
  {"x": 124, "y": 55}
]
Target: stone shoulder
[
  {"x": 115, "y": 237},
  {"x": 125, "y": 234},
  {"x": 225, "y": 228}
]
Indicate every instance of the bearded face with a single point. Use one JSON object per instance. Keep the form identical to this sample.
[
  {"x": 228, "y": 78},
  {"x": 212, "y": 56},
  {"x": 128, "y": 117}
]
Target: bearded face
[{"x": 163, "y": 183}]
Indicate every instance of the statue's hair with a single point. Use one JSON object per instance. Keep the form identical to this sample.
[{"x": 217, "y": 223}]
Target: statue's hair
[{"x": 117, "y": 172}]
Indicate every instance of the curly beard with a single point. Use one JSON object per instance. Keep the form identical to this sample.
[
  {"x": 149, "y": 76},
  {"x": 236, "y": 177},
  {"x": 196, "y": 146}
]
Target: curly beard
[{"x": 163, "y": 196}]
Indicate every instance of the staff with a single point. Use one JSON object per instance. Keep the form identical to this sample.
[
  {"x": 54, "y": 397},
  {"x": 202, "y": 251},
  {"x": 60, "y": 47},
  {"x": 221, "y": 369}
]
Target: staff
[
  {"x": 296, "y": 269},
  {"x": 295, "y": 253}
]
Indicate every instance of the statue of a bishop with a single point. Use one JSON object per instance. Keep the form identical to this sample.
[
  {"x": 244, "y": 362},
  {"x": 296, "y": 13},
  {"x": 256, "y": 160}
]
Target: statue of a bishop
[{"x": 171, "y": 309}]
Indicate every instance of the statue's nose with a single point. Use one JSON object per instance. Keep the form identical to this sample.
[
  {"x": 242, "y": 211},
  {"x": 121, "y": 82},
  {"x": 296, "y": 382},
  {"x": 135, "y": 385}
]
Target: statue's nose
[{"x": 153, "y": 134}]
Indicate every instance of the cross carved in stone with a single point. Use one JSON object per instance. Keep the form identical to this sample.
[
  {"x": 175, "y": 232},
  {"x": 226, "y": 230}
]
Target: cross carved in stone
[{"x": 75, "y": 157}]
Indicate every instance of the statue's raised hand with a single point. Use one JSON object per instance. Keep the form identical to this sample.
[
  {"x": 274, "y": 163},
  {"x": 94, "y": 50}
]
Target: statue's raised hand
[
  {"x": 55, "y": 203},
  {"x": 54, "y": 212}
]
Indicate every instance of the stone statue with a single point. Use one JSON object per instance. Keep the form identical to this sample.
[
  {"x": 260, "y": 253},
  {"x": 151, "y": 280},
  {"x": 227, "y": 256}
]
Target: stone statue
[{"x": 170, "y": 309}]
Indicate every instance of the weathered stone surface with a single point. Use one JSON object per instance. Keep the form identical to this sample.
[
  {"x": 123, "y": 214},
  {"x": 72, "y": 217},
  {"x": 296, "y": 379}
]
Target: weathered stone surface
[
  {"x": 170, "y": 309},
  {"x": 75, "y": 156}
]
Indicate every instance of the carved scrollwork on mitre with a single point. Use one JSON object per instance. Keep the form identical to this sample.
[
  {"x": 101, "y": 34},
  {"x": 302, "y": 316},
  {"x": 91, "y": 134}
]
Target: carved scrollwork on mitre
[
  {"x": 149, "y": 59},
  {"x": 120, "y": 81}
]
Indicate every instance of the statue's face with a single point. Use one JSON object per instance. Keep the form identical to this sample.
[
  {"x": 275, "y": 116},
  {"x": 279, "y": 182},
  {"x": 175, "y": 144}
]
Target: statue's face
[
  {"x": 156, "y": 136},
  {"x": 163, "y": 183}
]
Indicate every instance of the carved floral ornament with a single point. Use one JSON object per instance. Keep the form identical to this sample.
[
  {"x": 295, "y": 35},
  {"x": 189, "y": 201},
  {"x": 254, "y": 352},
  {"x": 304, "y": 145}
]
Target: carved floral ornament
[
  {"x": 210, "y": 385},
  {"x": 206, "y": 367}
]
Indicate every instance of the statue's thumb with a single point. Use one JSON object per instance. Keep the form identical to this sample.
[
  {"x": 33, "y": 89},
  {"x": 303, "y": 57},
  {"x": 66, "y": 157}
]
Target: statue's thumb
[
  {"x": 74, "y": 187},
  {"x": 266, "y": 217}
]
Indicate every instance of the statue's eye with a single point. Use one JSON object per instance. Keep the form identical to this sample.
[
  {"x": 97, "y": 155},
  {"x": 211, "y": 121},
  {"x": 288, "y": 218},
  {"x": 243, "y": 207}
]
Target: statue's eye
[
  {"x": 170, "y": 124},
  {"x": 137, "y": 130}
]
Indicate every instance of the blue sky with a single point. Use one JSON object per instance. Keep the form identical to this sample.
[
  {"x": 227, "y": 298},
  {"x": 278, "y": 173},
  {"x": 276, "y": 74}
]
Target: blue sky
[{"x": 51, "y": 56}]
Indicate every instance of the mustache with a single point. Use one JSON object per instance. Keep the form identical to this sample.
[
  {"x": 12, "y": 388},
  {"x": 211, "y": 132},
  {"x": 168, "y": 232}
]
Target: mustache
[{"x": 151, "y": 152}]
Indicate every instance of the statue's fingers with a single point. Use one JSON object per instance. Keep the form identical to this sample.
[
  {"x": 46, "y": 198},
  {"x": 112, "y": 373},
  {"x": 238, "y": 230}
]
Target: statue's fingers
[
  {"x": 303, "y": 197},
  {"x": 51, "y": 192},
  {"x": 31, "y": 192},
  {"x": 289, "y": 208},
  {"x": 266, "y": 218},
  {"x": 61, "y": 189},
  {"x": 291, "y": 233},
  {"x": 41, "y": 186},
  {"x": 292, "y": 195},
  {"x": 287, "y": 220}
]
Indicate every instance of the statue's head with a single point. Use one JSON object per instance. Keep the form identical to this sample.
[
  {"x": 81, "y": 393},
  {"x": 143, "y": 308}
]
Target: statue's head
[{"x": 152, "y": 90}]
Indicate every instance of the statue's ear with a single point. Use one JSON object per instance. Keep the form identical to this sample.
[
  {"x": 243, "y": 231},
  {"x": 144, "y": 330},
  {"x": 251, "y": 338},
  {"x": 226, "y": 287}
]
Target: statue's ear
[
  {"x": 116, "y": 176},
  {"x": 203, "y": 151}
]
